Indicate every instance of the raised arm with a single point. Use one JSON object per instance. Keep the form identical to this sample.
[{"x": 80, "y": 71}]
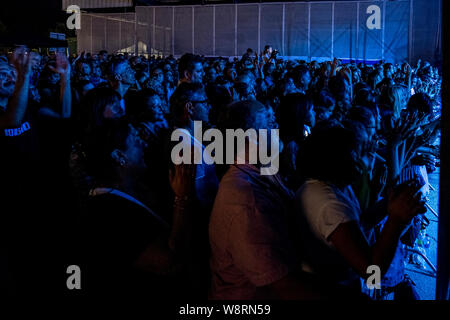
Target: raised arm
[
  {"x": 17, "y": 104},
  {"x": 168, "y": 254},
  {"x": 404, "y": 203},
  {"x": 63, "y": 69},
  {"x": 399, "y": 131}
]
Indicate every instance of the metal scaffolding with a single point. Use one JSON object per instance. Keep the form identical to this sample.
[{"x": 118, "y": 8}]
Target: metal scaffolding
[{"x": 308, "y": 30}]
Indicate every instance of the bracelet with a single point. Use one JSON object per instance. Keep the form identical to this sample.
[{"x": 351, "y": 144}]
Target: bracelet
[{"x": 183, "y": 198}]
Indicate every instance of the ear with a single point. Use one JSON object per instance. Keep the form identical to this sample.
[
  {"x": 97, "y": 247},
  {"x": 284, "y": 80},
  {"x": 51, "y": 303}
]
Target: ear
[
  {"x": 118, "y": 77},
  {"x": 187, "y": 74},
  {"x": 119, "y": 157},
  {"x": 188, "y": 110}
]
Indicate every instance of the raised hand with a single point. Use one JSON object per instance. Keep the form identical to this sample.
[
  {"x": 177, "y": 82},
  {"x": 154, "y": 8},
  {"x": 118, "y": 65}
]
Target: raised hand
[
  {"x": 22, "y": 61},
  {"x": 405, "y": 202},
  {"x": 403, "y": 128},
  {"x": 335, "y": 63},
  {"x": 408, "y": 70},
  {"x": 81, "y": 55},
  {"x": 418, "y": 64},
  {"x": 62, "y": 65}
]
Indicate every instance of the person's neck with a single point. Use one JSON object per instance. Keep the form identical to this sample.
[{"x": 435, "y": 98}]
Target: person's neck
[
  {"x": 185, "y": 80},
  {"x": 245, "y": 158},
  {"x": 121, "y": 88}
]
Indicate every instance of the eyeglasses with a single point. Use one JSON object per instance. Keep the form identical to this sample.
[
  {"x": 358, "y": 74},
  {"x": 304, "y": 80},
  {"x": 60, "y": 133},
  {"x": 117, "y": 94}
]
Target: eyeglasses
[{"x": 5, "y": 74}]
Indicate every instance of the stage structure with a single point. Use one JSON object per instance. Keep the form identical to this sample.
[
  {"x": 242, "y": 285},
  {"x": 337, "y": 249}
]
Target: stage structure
[{"x": 400, "y": 30}]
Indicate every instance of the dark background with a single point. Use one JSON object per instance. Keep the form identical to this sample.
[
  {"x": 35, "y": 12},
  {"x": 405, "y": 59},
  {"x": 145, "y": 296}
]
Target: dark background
[{"x": 30, "y": 16}]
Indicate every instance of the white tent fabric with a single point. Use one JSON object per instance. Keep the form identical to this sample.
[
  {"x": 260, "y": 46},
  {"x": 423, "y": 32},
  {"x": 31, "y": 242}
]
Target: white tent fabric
[{"x": 359, "y": 30}]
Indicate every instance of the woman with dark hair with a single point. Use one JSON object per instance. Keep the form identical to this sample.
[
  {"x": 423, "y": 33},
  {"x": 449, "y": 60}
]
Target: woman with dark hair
[
  {"x": 220, "y": 98},
  {"x": 323, "y": 105},
  {"x": 296, "y": 117},
  {"x": 99, "y": 115},
  {"x": 341, "y": 90},
  {"x": 170, "y": 81},
  {"x": 102, "y": 105},
  {"x": 149, "y": 112},
  {"x": 267, "y": 54},
  {"x": 328, "y": 213},
  {"x": 302, "y": 78},
  {"x": 363, "y": 96},
  {"x": 420, "y": 103},
  {"x": 149, "y": 106},
  {"x": 374, "y": 78},
  {"x": 370, "y": 182},
  {"x": 126, "y": 245},
  {"x": 48, "y": 86},
  {"x": 366, "y": 117}
]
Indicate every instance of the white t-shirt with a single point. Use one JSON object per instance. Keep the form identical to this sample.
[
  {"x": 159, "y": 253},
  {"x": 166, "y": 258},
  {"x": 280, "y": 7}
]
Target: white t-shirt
[
  {"x": 206, "y": 182},
  {"x": 320, "y": 209}
]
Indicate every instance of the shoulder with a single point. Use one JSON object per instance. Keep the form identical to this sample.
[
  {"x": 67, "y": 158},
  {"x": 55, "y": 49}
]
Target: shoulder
[
  {"x": 234, "y": 199},
  {"x": 324, "y": 207},
  {"x": 315, "y": 190},
  {"x": 236, "y": 188},
  {"x": 320, "y": 195},
  {"x": 113, "y": 210}
]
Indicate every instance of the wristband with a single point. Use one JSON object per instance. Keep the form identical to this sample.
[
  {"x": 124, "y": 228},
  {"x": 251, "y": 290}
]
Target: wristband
[
  {"x": 183, "y": 198},
  {"x": 181, "y": 202}
]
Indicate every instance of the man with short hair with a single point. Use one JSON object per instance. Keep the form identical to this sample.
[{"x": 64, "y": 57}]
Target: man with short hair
[
  {"x": 245, "y": 86},
  {"x": 302, "y": 78},
  {"x": 267, "y": 54},
  {"x": 121, "y": 77},
  {"x": 249, "y": 54},
  {"x": 190, "y": 68},
  {"x": 253, "y": 250},
  {"x": 188, "y": 104},
  {"x": 102, "y": 56}
]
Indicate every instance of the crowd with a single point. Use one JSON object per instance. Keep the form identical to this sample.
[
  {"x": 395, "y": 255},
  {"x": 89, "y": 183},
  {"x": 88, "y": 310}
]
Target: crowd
[{"x": 88, "y": 180}]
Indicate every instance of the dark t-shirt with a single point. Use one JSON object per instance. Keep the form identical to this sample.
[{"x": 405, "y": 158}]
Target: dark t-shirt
[
  {"x": 35, "y": 158},
  {"x": 19, "y": 144},
  {"x": 34, "y": 192},
  {"x": 115, "y": 231},
  {"x": 19, "y": 164}
]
